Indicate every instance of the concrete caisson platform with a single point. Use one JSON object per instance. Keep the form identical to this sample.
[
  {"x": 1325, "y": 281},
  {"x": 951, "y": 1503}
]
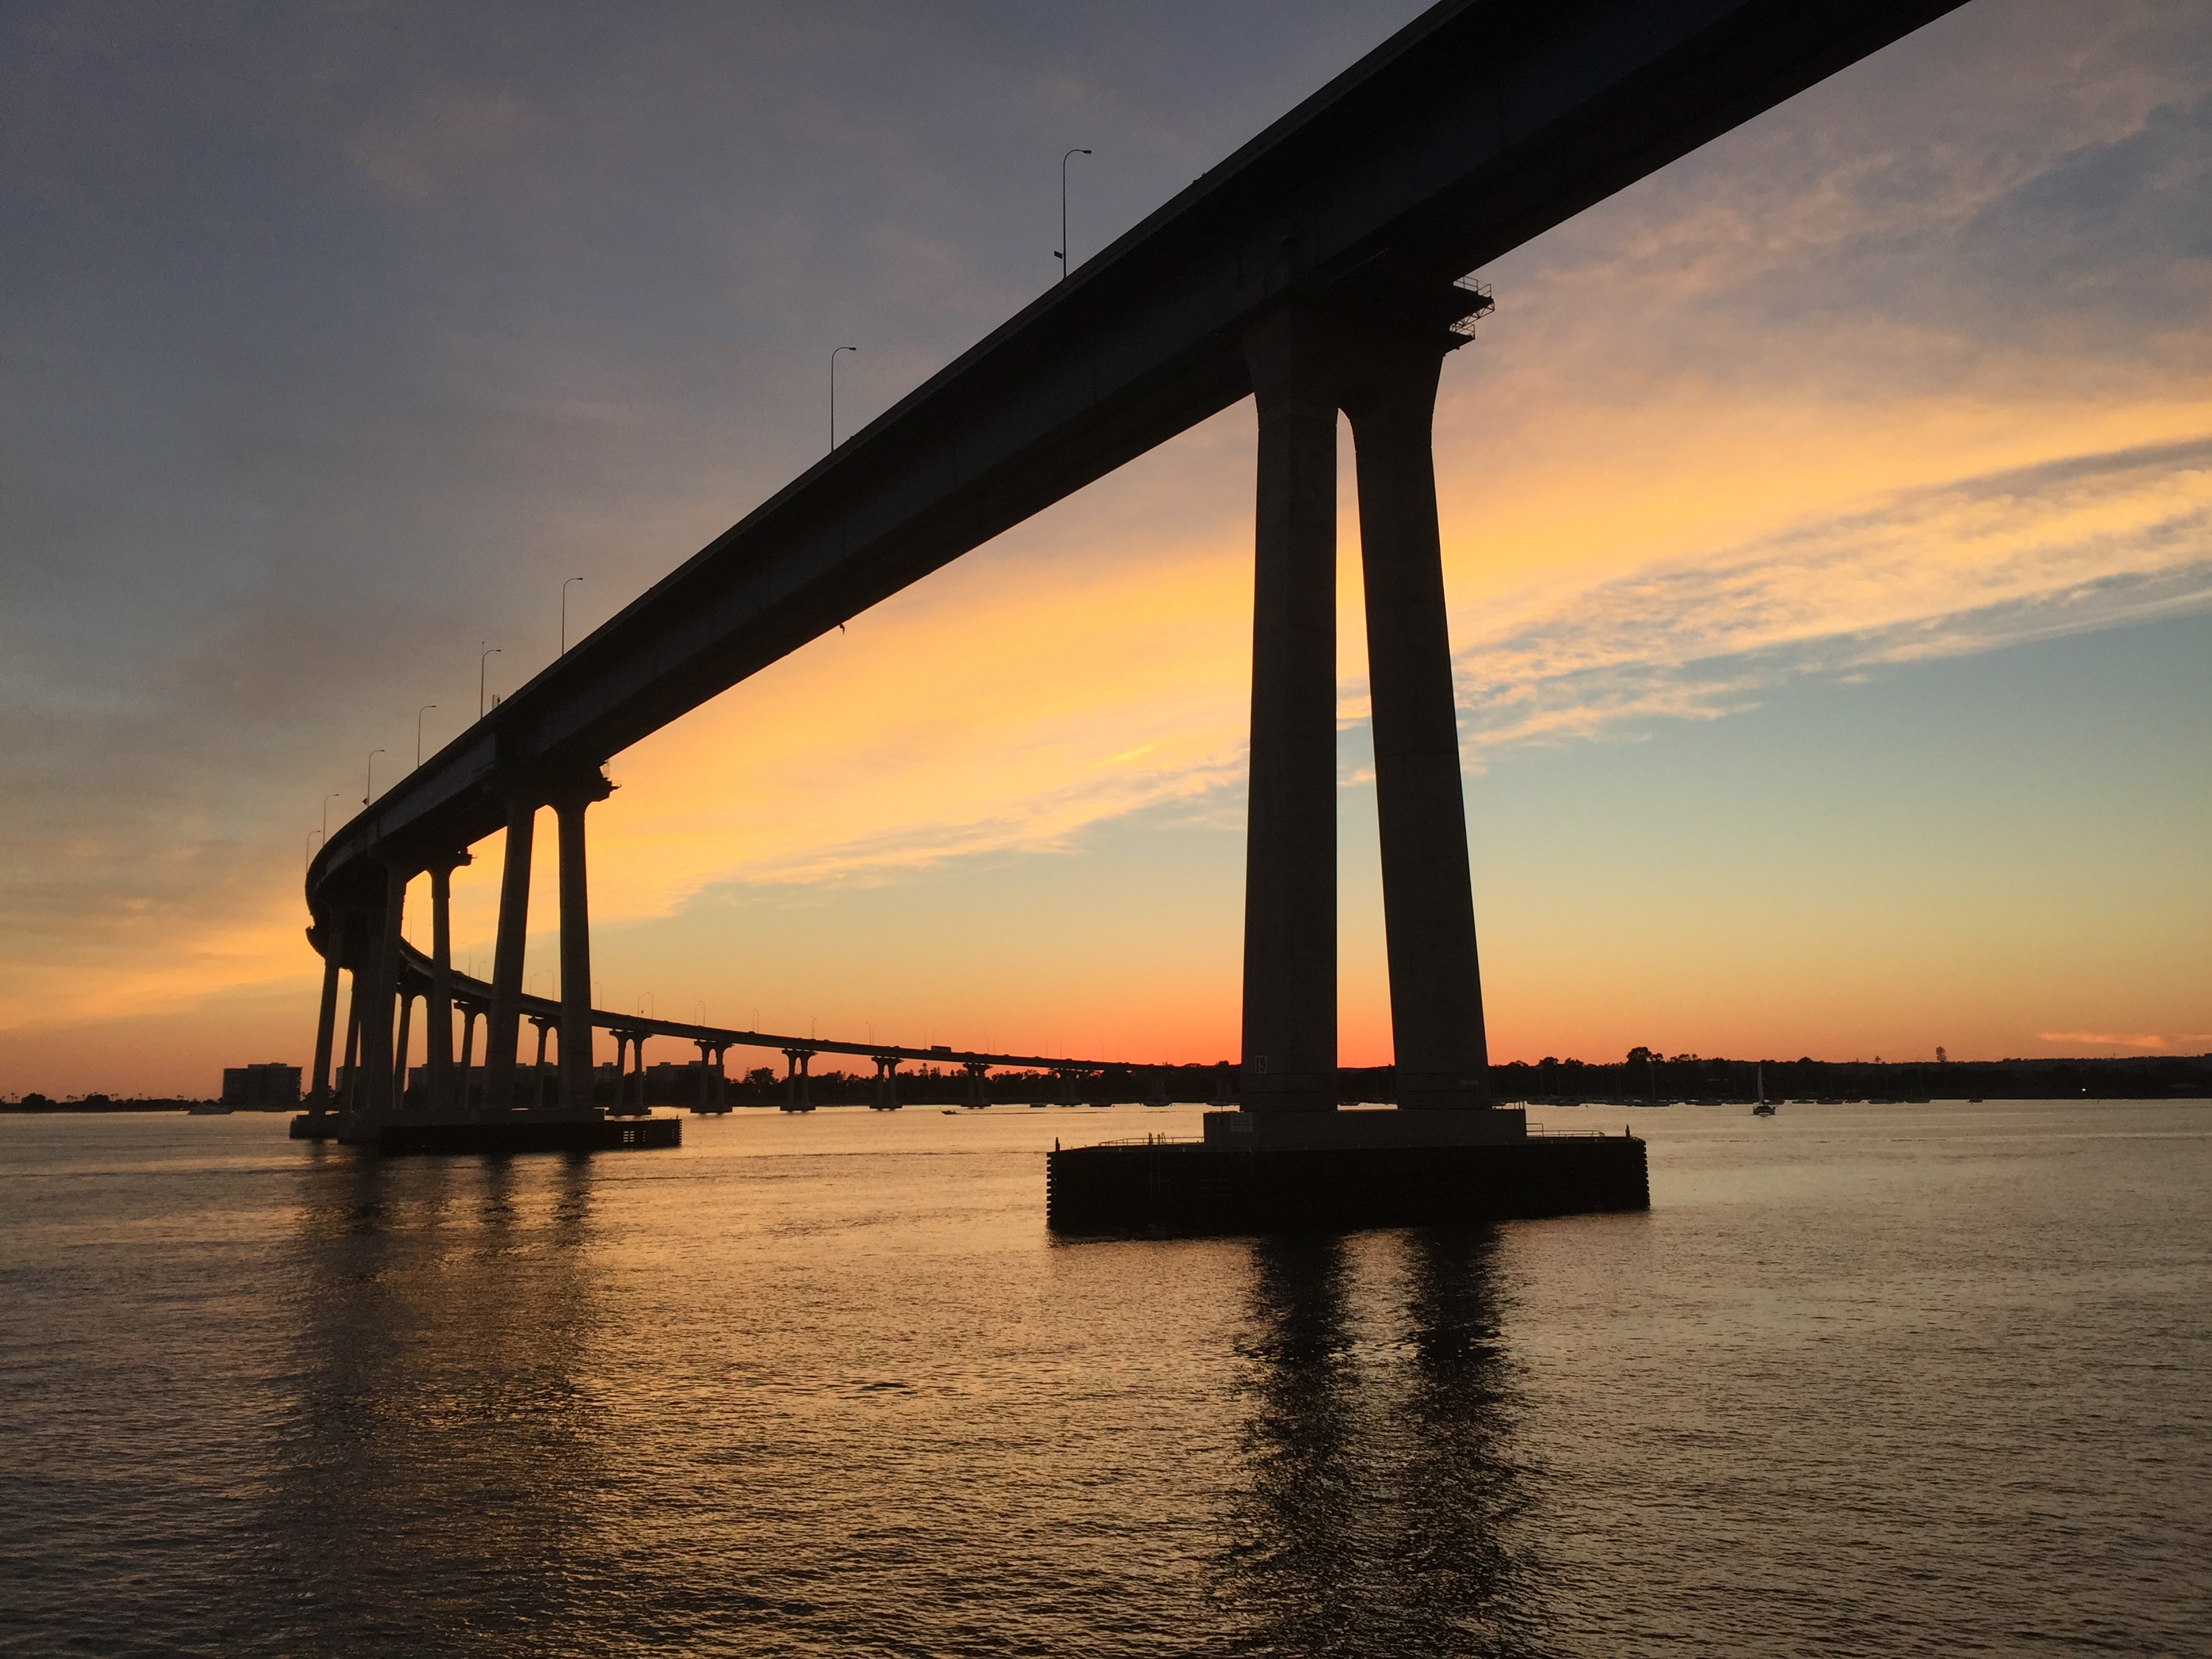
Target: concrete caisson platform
[{"x": 1183, "y": 1190}]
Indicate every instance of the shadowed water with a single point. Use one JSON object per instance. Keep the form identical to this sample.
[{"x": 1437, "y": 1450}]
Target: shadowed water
[{"x": 1901, "y": 1380}]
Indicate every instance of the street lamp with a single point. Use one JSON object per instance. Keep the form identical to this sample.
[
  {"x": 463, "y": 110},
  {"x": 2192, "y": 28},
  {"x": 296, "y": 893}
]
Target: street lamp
[
  {"x": 564, "y": 614},
  {"x": 833, "y": 395},
  {"x": 335, "y": 794},
  {"x": 419, "y": 713},
  {"x": 1062, "y": 251},
  {"x": 368, "y": 783},
  {"x": 482, "y": 659}
]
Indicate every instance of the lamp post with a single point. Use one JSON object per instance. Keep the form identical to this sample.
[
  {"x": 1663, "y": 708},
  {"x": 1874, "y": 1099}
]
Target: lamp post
[
  {"x": 1062, "y": 251},
  {"x": 833, "y": 394},
  {"x": 482, "y": 658},
  {"x": 368, "y": 783},
  {"x": 335, "y": 794},
  {"x": 419, "y": 713},
  {"x": 564, "y": 614}
]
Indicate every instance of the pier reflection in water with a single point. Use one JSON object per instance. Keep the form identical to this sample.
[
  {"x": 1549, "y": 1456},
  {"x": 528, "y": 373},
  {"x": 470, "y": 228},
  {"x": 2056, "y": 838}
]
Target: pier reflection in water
[
  {"x": 445, "y": 1448},
  {"x": 1384, "y": 1511},
  {"x": 513, "y": 1417}
]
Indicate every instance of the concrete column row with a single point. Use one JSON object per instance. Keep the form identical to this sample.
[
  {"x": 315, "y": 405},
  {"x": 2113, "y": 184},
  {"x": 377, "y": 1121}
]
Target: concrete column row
[{"x": 369, "y": 942}]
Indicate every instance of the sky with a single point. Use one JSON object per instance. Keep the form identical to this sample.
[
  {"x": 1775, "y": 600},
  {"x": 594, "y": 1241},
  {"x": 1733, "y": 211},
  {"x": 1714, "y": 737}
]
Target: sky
[{"x": 1827, "y": 528}]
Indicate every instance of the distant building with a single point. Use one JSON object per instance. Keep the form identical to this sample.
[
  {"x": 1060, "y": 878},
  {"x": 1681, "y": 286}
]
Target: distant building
[{"x": 270, "y": 1088}]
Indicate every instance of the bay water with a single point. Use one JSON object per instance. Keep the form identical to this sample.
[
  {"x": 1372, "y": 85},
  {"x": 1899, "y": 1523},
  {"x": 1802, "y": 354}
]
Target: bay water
[{"x": 1927, "y": 1379}]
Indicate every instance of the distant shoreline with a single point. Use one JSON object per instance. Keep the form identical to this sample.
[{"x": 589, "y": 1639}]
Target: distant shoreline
[
  {"x": 47, "y": 1108},
  {"x": 1644, "y": 1079}
]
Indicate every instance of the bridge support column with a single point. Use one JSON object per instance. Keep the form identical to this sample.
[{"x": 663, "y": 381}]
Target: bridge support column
[
  {"x": 886, "y": 1099},
  {"x": 504, "y": 1030},
  {"x": 545, "y": 1024},
  {"x": 438, "y": 1048},
  {"x": 568, "y": 806},
  {"x": 372, "y": 1096},
  {"x": 327, "y": 1013},
  {"x": 1428, "y": 898},
  {"x": 977, "y": 1070},
  {"x": 1290, "y": 880},
  {"x": 721, "y": 1077},
  {"x": 349, "y": 1072},
  {"x": 407, "y": 995},
  {"x": 464, "y": 1071},
  {"x": 796, "y": 1098}
]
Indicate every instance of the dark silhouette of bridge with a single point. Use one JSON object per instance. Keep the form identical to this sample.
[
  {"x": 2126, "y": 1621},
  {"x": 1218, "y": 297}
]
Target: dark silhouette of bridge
[{"x": 1321, "y": 269}]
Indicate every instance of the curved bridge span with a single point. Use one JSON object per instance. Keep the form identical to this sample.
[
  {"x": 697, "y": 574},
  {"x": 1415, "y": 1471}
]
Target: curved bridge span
[
  {"x": 1319, "y": 269},
  {"x": 472, "y": 999}
]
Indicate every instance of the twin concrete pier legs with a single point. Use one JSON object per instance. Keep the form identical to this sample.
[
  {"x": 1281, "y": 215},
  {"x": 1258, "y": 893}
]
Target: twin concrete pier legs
[
  {"x": 796, "y": 1097},
  {"x": 1305, "y": 367}
]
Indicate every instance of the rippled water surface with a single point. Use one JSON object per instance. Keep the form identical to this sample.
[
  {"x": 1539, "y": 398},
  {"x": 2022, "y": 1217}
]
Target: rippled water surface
[{"x": 1930, "y": 1379}]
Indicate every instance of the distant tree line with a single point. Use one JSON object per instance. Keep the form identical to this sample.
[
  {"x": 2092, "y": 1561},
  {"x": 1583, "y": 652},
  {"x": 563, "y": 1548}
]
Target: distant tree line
[
  {"x": 1648, "y": 1075},
  {"x": 1645, "y": 1077}
]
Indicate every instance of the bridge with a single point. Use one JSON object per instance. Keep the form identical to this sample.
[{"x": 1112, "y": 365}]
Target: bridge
[{"x": 1322, "y": 267}]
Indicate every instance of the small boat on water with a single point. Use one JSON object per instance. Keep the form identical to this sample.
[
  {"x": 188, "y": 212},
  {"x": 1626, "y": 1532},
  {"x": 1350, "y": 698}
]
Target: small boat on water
[{"x": 1765, "y": 1108}]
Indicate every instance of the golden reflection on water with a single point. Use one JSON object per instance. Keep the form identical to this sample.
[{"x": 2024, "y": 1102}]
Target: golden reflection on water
[{"x": 444, "y": 1440}]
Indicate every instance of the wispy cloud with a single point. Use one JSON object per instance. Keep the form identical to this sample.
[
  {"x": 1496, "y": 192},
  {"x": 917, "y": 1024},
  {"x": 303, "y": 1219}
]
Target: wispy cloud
[
  {"x": 2148, "y": 1039},
  {"x": 2088, "y": 543}
]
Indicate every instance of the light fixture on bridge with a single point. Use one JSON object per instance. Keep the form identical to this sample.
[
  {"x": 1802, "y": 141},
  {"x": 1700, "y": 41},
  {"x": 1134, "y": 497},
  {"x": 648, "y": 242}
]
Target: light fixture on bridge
[{"x": 1061, "y": 252}]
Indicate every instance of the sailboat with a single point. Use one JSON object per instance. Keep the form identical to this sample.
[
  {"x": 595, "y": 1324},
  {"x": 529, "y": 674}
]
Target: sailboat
[{"x": 1765, "y": 1108}]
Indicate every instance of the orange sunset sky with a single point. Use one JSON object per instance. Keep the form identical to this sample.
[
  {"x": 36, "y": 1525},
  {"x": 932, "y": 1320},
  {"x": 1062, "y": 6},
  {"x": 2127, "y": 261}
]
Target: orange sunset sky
[{"x": 1827, "y": 525}]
